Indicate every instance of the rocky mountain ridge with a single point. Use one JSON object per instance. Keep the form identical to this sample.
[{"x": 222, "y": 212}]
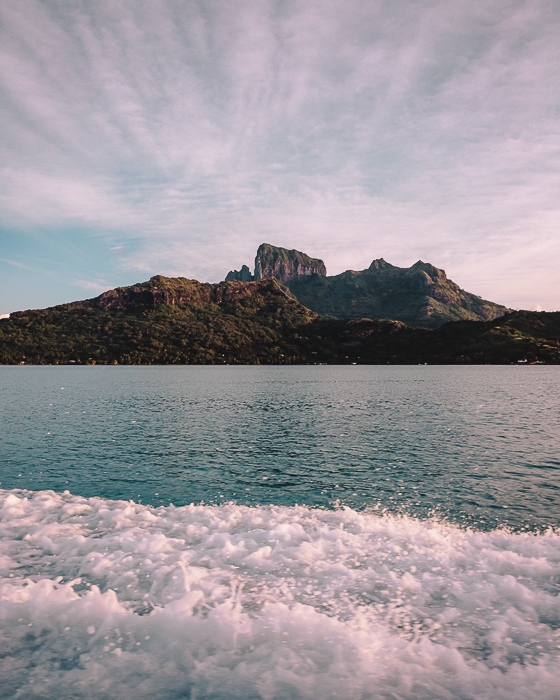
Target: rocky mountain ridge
[
  {"x": 420, "y": 295},
  {"x": 175, "y": 291}
]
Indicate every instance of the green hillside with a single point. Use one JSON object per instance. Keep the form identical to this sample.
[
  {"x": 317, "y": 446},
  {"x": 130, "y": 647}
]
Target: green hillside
[{"x": 181, "y": 321}]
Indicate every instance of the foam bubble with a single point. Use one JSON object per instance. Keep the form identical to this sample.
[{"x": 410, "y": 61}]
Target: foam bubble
[{"x": 105, "y": 599}]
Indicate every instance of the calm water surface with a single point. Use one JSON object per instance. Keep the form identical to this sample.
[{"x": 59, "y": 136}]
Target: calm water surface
[{"x": 475, "y": 445}]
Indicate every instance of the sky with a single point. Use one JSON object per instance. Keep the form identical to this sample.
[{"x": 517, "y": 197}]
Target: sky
[{"x": 144, "y": 137}]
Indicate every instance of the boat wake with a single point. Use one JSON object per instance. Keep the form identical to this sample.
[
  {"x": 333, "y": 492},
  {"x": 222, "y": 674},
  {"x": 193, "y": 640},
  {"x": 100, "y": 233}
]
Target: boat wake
[{"x": 106, "y": 599}]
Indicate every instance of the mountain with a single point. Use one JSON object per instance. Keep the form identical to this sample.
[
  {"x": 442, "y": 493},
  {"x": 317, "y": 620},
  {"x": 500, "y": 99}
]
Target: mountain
[
  {"x": 420, "y": 295},
  {"x": 182, "y": 321},
  {"x": 164, "y": 320}
]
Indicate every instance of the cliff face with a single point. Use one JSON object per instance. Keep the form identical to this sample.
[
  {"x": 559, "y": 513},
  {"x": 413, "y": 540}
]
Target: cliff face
[
  {"x": 280, "y": 263},
  {"x": 179, "y": 291},
  {"x": 157, "y": 291},
  {"x": 285, "y": 265}
]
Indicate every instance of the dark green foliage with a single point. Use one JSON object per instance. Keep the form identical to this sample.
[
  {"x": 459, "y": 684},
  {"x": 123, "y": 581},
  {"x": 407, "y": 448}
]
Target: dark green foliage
[
  {"x": 178, "y": 321},
  {"x": 131, "y": 326},
  {"x": 520, "y": 337}
]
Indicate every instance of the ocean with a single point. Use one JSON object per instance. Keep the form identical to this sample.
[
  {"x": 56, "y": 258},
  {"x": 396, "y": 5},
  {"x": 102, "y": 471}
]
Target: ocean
[{"x": 383, "y": 532}]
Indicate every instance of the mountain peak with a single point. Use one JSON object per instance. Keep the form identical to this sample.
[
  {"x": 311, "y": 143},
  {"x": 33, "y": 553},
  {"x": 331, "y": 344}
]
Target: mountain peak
[
  {"x": 434, "y": 272},
  {"x": 282, "y": 264},
  {"x": 379, "y": 264},
  {"x": 243, "y": 275},
  {"x": 285, "y": 265}
]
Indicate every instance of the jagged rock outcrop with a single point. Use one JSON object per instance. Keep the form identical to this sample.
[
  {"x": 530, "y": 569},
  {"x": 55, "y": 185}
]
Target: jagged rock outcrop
[
  {"x": 280, "y": 263},
  {"x": 243, "y": 275},
  {"x": 156, "y": 291},
  {"x": 285, "y": 265}
]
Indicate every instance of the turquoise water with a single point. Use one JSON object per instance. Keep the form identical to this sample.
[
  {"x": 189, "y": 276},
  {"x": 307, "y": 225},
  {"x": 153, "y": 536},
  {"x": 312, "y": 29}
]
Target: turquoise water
[
  {"x": 477, "y": 445},
  {"x": 279, "y": 533}
]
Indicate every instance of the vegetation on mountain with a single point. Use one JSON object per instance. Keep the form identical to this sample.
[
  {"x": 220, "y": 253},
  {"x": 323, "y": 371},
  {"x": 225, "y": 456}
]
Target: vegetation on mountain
[
  {"x": 180, "y": 321},
  {"x": 521, "y": 337},
  {"x": 160, "y": 321},
  {"x": 419, "y": 296}
]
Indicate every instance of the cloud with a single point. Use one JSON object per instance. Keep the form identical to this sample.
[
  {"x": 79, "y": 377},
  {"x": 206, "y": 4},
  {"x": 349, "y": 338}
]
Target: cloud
[
  {"x": 14, "y": 263},
  {"x": 349, "y": 130},
  {"x": 90, "y": 285}
]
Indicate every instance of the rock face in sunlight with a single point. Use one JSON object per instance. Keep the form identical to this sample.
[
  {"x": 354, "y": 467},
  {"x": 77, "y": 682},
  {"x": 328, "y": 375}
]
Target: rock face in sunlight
[
  {"x": 286, "y": 265},
  {"x": 282, "y": 264},
  {"x": 420, "y": 295}
]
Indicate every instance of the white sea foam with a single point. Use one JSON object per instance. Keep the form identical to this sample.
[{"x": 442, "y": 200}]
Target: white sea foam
[{"x": 110, "y": 599}]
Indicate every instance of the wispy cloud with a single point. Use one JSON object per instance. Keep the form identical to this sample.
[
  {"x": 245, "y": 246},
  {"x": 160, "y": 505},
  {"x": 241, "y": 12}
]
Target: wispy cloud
[
  {"x": 349, "y": 130},
  {"x": 14, "y": 263},
  {"x": 91, "y": 285}
]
